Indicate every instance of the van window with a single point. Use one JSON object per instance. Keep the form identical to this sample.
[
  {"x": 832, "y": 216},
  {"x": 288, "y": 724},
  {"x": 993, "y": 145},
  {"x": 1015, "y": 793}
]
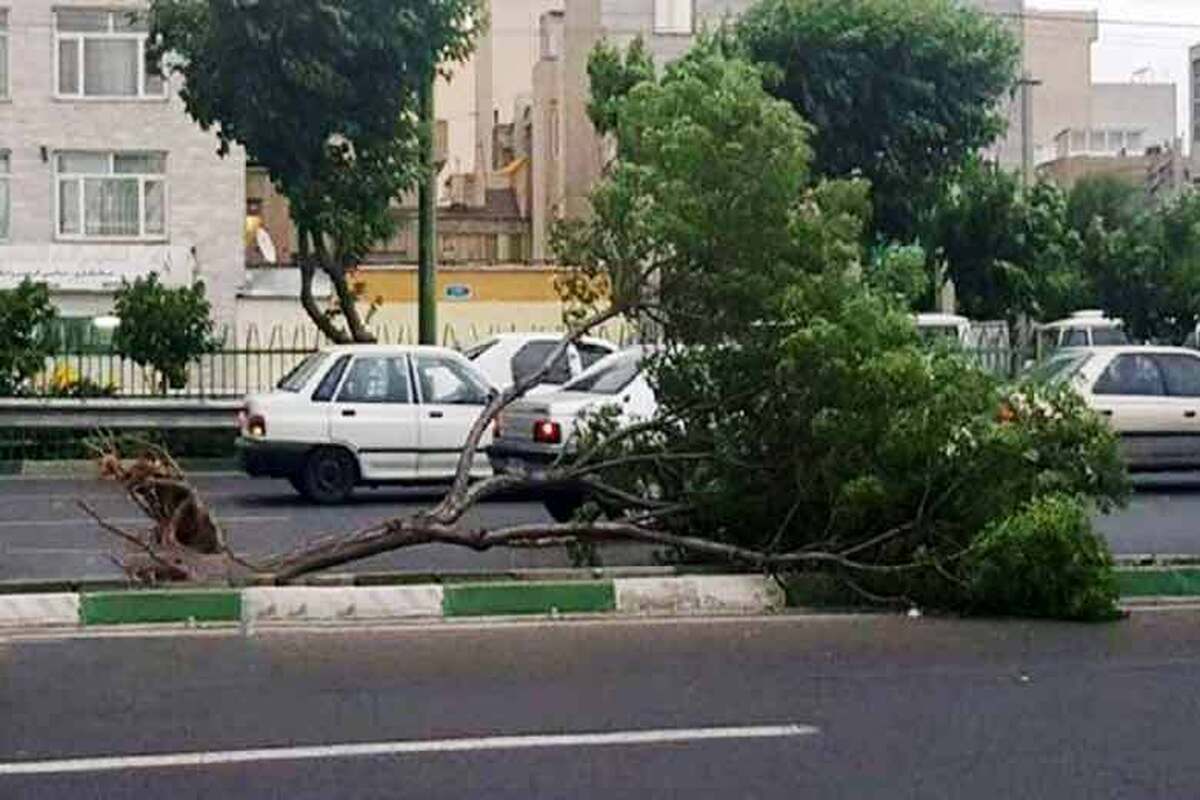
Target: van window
[
  {"x": 1104, "y": 337},
  {"x": 1075, "y": 337}
]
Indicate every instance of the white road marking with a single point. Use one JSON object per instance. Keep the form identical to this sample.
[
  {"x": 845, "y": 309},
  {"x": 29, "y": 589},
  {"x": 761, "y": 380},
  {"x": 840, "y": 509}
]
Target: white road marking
[
  {"x": 410, "y": 747},
  {"x": 53, "y": 523}
]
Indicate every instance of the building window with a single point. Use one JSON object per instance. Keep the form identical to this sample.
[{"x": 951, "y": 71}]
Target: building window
[
  {"x": 3, "y": 52},
  {"x": 4, "y": 196},
  {"x": 111, "y": 195},
  {"x": 554, "y": 123},
  {"x": 102, "y": 55},
  {"x": 673, "y": 16}
]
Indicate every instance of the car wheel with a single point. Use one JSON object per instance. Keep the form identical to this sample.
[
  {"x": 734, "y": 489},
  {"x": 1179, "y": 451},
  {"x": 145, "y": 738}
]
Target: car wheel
[
  {"x": 563, "y": 505},
  {"x": 329, "y": 476}
]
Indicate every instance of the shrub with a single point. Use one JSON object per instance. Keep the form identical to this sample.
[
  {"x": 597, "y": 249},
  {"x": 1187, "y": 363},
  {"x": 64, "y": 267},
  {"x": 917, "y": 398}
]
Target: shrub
[
  {"x": 1043, "y": 561},
  {"x": 163, "y": 328},
  {"x": 26, "y": 314}
]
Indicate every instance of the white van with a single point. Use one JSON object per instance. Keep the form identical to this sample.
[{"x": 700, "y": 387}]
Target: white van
[{"x": 1082, "y": 329}]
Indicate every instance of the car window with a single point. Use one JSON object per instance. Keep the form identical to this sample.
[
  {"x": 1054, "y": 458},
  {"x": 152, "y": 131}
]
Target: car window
[
  {"x": 589, "y": 354},
  {"x": 1182, "y": 374},
  {"x": 1131, "y": 374},
  {"x": 532, "y": 355},
  {"x": 475, "y": 351},
  {"x": 298, "y": 377},
  {"x": 376, "y": 379},
  {"x": 1075, "y": 337},
  {"x": 329, "y": 383},
  {"x": 609, "y": 379},
  {"x": 446, "y": 381},
  {"x": 1106, "y": 337}
]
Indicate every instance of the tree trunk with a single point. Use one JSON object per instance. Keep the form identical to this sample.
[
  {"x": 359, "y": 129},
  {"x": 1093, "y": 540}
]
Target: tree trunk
[
  {"x": 347, "y": 302},
  {"x": 324, "y": 324}
]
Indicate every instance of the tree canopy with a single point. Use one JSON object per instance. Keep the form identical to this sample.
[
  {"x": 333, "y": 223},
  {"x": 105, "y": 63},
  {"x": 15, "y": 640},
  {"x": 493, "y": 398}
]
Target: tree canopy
[
  {"x": 324, "y": 94},
  {"x": 898, "y": 91}
]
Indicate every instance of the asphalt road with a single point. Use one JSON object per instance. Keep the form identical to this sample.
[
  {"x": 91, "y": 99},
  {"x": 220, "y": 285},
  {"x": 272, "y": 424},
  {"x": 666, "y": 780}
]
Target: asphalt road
[
  {"x": 890, "y": 707},
  {"x": 43, "y": 533}
]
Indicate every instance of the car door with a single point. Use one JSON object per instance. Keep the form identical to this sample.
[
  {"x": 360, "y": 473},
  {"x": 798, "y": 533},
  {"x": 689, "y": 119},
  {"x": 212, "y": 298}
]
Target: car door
[
  {"x": 374, "y": 414},
  {"x": 1131, "y": 393},
  {"x": 1181, "y": 443},
  {"x": 451, "y": 398}
]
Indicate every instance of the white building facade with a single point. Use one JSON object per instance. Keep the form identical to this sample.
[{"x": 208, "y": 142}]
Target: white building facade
[{"x": 103, "y": 176}]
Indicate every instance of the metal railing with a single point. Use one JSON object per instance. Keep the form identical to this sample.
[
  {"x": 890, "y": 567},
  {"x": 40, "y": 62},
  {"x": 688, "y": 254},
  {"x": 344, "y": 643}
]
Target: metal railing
[{"x": 251, "y": 362}]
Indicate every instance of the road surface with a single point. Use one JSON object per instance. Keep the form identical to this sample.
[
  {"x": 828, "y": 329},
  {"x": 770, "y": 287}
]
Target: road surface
[
  {"x": 828, "y": 707},
  {"x": 44, "y": 534}
]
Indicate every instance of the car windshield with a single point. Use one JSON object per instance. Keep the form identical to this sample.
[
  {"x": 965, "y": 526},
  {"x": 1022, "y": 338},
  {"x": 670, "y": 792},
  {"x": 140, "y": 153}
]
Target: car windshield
[
  {"x": 1108, "y": 336},
  {"x": 936, "y": 333},
  {"x": 608, "y": 379},
  {"x": 297, "y": 379},
  {"x": 1059, "y": 369}
]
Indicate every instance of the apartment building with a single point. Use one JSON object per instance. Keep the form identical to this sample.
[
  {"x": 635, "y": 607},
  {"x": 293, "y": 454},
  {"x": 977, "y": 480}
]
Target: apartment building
[
  {"x": 103, "y": 176},
  {"x": 567, "y": 154}
]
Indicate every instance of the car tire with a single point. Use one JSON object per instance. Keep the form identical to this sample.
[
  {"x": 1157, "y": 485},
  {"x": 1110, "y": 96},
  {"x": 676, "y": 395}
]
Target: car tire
[
  {"x": 329, "y": 476},
  {"x": 562, "y": 505}
]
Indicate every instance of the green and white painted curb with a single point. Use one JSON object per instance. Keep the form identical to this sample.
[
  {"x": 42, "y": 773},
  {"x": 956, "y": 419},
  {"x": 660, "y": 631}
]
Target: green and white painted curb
[{"x": 698, "y": 594}]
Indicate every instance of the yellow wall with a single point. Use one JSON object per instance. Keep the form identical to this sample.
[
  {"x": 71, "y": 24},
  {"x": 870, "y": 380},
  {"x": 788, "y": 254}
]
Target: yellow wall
[{"x": 519, "y": 284}]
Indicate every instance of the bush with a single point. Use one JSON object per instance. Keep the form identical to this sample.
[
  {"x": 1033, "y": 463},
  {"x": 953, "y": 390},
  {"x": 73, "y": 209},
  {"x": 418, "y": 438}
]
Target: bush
[
  {"x": 1043, "y": 561},
  {"x": 26, "y": 314},
  {"x": 163, "y": 328}
]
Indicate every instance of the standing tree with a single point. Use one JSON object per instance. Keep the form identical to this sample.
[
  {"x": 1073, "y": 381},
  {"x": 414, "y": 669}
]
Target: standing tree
[
  {"x": 325, "y": 94},
  {"x": 898, "y": 91},
  {"x": 163, "y": 328},
  {"x": 1009, "y": 250},
  {"x": 26, "y": 315}
]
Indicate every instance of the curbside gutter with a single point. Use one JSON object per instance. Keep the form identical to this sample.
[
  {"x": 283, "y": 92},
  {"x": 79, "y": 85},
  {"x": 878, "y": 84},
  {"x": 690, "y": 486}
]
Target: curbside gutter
[{"x": 699, "y": 594}]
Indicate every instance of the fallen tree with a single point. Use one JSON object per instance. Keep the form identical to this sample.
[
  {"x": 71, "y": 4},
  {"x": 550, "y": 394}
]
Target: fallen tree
[{"x": 801, "y": 424}]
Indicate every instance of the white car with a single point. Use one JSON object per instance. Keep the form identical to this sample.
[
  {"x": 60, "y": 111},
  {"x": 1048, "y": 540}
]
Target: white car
[
  {"x": 532, "y": 433},
  {"x": 508, "y": 357},
  {"x": 365, "y": 415},
  {"x": 1150, "y": 396}
]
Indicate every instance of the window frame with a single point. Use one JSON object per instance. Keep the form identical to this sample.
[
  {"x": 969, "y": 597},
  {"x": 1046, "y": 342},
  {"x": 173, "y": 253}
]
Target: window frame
[
  {"x": 142, "y": 178},
  {"x": 664, "y": 20},
  {"x": 6, "y": 185},
  {"x": 111, "y": 34},
  {"x": 403, "y": 368},
  {"x": 435, "y": 359},
  {"x": 6, "y": 59},
  {"x": 1162, "y": 378}
]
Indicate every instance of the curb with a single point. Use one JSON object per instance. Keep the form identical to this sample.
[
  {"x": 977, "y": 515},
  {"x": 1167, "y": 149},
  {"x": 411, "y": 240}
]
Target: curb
[
  {"x": 699, "y": 594},
  {"x": 82, "y": 468}
]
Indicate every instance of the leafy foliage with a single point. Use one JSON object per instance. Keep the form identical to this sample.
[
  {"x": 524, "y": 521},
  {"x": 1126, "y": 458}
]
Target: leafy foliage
[
  {"x": 612, "y": 75},
  {"x": 1009, "y": 250},
  {"x": 898, "y": 91},
  {"x": 325, "y": 94},
  {"x": 163, "y": 328},
  {"x": 26, "y": 315},
  {"x": 799, "y": 413},
  {"x": 1044, "y": 561}
]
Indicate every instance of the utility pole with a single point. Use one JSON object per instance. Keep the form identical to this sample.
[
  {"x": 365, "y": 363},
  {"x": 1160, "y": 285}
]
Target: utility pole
[
  {"x": 427, "y": 220},
  {"x": 1027, "y": 83}
]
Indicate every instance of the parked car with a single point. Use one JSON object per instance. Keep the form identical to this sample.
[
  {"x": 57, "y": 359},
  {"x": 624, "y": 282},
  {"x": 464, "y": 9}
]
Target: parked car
[
  {"x": 1150, "y": 396},
  {"x": 509, "y": 357},
  {"x": 365, "y": 415},
  {"x": 1081, "y": 329},
  {"x": 532, "y": 433}
]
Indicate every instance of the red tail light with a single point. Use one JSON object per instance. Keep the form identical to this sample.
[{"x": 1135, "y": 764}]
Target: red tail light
[{"x": 547, "y": 431}]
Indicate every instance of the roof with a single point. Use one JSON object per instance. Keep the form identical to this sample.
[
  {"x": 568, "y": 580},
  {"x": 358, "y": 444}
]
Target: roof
[
  {"x": 1160, "y": 349},
  {"x": 498, "y": 204},
  {"x": 544, "y": 336},
  {"x": 942, "y": 319},
  {"x": 387, "y": 348}
]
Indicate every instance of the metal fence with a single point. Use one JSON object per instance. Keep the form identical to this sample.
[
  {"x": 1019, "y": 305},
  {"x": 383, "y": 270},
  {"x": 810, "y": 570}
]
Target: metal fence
[{"x": 251, "y": 362}]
